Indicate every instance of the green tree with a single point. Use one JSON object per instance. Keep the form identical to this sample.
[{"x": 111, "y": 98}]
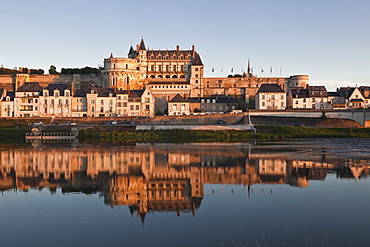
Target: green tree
[{"x": 53, "y": 70}]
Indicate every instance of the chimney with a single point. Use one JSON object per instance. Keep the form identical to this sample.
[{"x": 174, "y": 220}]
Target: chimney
[
  {"x": 193, "y": 47},
  {"x": 177, "y": 48},
  {"x": 137, "y": 47}
]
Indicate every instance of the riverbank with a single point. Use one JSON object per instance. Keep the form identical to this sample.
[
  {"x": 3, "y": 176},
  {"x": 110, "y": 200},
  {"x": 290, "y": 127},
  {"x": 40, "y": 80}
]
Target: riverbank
[{"x": 128, "y": 134}]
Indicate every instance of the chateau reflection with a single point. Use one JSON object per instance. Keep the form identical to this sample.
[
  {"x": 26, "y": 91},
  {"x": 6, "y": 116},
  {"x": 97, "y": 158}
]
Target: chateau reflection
[{"x": 171, "y": 178}]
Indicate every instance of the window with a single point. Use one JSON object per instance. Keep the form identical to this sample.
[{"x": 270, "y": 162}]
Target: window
[
  {"x": 282, "y": 104},
  {"x": 263, "y": 96},
  {"x": 263, "y": 103},
  {"x": 137, "y": 107},
  {"x": 183, "y": 107},
  {"x": 147, "y": 107},
  {"x": 174, "y": 107},
  {"x": 282, "y": 96},
  {"x": 196, "y": 69}
]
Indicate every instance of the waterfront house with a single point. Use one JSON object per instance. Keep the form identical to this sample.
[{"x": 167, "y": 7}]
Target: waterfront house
[
  {"x": 55, "y": 100},
  {"x": 270, "y": 97},
  {"x": 26, "y": 101},
  {"x": 6, "y": 103},
  {"x": 178, "y": 105}
]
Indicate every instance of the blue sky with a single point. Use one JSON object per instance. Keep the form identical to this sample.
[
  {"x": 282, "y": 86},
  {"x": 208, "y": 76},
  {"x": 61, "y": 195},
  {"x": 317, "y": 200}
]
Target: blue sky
[{"x": 325, "y": 39}]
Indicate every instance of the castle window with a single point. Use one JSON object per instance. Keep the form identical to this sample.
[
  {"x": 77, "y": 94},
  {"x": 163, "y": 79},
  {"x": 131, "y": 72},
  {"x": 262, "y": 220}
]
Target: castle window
[
  {"x": 174, "y": 68},
  {"x": 196, "y": 69},
  {"x": 196, "y": 81},
  {"x": 196, "y": 75}
]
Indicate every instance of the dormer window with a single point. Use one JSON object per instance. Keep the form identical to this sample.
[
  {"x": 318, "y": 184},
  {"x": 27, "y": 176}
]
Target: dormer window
[
  {"x": 56, "y": 93},
  {"x": 7, "y": 98},
  {"x": 67, "y": 93},
  {"x": 46, "y": 93}
]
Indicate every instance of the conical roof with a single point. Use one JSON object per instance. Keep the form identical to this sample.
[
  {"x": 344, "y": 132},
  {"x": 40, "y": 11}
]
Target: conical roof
[{"x": 142, "y": 45}]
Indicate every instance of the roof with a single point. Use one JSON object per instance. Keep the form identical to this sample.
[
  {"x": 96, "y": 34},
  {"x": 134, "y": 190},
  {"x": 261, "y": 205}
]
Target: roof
[
  {"x": 356, "y": 100},
  {"x": 299, "y": 92},
  {"x": 170, "y": 54},
  {"x": 317, "y": 91},
  {"x": 219, "y": 99},
  {"x": 333, "y": 94},
  {"x": 270, "y": 88},
  {"x": 168, "y": 82},
  {"x": 10, "y": 94},
  {"x": 197, "y": 60},
  {"x": 80, "y": 94},
  {"x": 135, "y": 93},
  {"x": 30, "y": 87},
  {"x": 142, "y": 45},
  {"x": 346, "y": 91},
  {"x": 104, "y": 92},
  {"x": 178, "y": 98},
  {"x": 57, "y": 86}
]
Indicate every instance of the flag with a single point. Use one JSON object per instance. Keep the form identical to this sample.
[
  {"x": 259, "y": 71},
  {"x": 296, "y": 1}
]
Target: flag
[
  {"x": 213, "y": 69},
  {"x": 222, "y": 70},
  {"x": 232, "y": 69},
  {"x": 271, "y": 70},
  {"x": 262, "y": 70}
]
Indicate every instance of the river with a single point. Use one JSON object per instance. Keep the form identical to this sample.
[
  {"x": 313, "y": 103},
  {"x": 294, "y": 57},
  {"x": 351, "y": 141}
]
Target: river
[{"x": 289, "y": 193}]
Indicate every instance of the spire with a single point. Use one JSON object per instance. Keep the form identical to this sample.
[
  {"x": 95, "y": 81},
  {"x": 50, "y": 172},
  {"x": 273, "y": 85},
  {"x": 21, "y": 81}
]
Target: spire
[
  {"x": 142, "y": 45},
  {"x": 249, "y": 67},
  {"x": 111, "y": 55},
  {"x": 131, "y": 51}
]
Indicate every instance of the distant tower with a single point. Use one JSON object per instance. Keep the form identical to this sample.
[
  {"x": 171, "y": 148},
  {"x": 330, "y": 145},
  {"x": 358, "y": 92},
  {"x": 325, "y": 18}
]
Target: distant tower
[{"x": 196, "y": 76}]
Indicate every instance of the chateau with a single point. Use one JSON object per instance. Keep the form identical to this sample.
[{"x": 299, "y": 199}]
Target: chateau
[{"x": 146, "y": 82}]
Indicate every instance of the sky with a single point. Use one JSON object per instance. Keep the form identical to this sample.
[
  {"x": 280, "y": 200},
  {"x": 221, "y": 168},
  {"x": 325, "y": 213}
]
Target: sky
[{"x": 329, "y": 40}]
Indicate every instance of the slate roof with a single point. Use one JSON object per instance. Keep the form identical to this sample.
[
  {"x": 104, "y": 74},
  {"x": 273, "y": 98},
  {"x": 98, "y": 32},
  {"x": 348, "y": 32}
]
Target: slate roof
[
  {"x": 54, "y": 86},
  {"x": 30, "y": 87},
  {"x": 346, "y": 92},
  {"x": 299, "y": 92},
  {"x": 168, "y": 82},
  {"x": 178, "y": 98},
  {"x": 219, "y": 99},
  {"x": 270, "y": 88},
  {"x": 11, "y": 94},
  {"x": 80, "y": 94},
  {"x": 333, "y": 94},
  {"x": 172, "y": 54},
  {"x": 197, "y": 60},
  {"x": 317, "y": 91},
  {"x": 104, "y": 92},
  {"x": 142, "y": 45}
]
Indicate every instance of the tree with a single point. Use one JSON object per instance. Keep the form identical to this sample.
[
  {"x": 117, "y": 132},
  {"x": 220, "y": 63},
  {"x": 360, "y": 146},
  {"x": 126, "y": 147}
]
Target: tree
[{"x": 53, "y": 70}]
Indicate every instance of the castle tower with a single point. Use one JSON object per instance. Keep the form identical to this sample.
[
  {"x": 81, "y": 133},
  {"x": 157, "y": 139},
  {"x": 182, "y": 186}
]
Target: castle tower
[{"x": 196, "y": 76}]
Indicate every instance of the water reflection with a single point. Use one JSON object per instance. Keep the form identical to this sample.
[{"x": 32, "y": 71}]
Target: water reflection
[{"x": 170, "y": 178}]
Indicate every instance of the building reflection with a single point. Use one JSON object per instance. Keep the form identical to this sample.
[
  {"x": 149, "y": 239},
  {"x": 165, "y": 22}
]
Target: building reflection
[{"x": 170, "y": 178}]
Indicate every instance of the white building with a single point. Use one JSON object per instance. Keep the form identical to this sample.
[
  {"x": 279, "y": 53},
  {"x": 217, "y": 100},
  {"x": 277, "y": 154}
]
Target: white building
[{"x": 270, "y": 97}]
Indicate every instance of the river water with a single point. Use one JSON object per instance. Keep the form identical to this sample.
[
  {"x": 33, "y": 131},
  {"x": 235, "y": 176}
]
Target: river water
[{"x": 296, "y": 193}]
